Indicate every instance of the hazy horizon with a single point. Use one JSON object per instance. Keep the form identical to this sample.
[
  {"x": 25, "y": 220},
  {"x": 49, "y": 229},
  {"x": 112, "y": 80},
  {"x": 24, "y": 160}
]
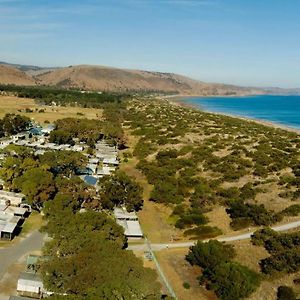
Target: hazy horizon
[{"x": 247, "y": 43}]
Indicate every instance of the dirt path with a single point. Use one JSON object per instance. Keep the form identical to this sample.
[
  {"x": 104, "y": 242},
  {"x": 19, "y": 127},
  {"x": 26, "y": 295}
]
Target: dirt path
[
  {"x": 244, "y": 236},
  {"x": 14, "y": 253}
]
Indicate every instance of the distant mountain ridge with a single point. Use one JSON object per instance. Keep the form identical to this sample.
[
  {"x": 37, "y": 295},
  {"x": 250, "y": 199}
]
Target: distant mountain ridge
[{"x": 100, "y": 78}]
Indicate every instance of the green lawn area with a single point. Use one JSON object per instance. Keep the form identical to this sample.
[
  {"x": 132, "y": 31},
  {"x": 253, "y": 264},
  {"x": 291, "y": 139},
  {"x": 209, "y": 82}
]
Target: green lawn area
[{"x": 33, "y": 222}]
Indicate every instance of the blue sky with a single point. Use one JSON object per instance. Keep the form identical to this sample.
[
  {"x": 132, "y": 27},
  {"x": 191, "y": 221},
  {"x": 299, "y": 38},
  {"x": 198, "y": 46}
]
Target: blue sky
[{"x": 246, "y": 42}]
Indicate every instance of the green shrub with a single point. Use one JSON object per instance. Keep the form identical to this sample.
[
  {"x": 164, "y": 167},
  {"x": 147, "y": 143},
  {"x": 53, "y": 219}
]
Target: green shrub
[
  {"x": 203, "y": 232},
  {"x": 285, "y": 293},
  {"x": 186, "y": 285}
]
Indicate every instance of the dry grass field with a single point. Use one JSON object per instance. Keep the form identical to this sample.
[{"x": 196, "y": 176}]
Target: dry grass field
[
  {"x": 11, "y": 104},
  {"x": 178, "y": 271}
]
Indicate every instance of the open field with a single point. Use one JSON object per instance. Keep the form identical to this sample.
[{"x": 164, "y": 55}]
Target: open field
[{"x": 11, "y": 104}]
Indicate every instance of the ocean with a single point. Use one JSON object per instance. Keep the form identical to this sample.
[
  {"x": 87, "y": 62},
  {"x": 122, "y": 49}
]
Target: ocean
[{"x": 283, "y": 110}]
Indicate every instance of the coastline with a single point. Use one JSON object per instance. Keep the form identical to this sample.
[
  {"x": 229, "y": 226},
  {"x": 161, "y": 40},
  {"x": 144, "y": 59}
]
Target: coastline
[{"x": 179, "y": 101}]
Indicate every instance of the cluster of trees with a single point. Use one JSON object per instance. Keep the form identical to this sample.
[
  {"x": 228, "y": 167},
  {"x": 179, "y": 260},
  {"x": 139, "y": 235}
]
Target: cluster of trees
[
  {"x": 244, "y": 214},
  {"x": 121, "y": 190},
  {"x": 88, "y": 130},
  {"x": 39, "y": 177},
  {"x": 228, "y": 279},
  {"x": 86, "y": 256},
  {"x": 64, "y": 97},
  {"x": 85, "y": 130},
  {"x": 12, "y": 124},
  {"x": 283, "y": 248}
]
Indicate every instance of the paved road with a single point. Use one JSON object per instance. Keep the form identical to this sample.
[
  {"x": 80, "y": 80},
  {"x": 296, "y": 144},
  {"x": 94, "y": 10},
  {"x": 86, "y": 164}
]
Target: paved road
[
  {"x": 15, "y": 252},
  {"x": 245, "y": 236}
]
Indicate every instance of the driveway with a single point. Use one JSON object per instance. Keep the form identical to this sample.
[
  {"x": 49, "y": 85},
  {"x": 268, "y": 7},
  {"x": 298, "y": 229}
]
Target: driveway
[{"x": 14, "y": 253}]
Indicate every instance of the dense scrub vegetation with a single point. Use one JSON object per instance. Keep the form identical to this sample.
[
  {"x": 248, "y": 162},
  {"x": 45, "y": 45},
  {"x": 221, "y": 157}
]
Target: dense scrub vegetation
[
  {"x": 229, "y": 280},
  {"x": 196, "y": 160},
  {"x": 284, "y": 249}
]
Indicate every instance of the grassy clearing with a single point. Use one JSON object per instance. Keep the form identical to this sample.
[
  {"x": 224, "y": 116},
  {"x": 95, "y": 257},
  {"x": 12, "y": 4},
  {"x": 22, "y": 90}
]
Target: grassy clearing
[
  {"x": 10, "y": 104},
  {"x": 33, "y": 222},
  {"x": 178, "y": 271}
]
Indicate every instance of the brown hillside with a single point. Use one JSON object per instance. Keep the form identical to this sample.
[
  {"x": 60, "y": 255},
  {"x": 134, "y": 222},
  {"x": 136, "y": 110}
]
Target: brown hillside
[
  {"x": 113, "y": 79},
  {"x": 10, "y": 75}
]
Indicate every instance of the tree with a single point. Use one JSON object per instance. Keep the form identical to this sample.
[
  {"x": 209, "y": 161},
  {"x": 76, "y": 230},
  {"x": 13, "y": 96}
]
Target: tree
[
  {"x": 86, "y": 257},
  {"x": 232, "y": 281},
  {"x": 101, "y": 270},
  {"x": 37, "y": 184},
  {"x": 285, "y": 293},
  {"x": 61, "y": 137},
  {"x": 120, "y": 190},
  {"x": 63, "y": 161},
  {"x": 210, "y": 254}
]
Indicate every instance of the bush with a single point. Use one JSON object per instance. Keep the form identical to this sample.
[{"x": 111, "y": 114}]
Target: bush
[
  {"x": 285, "y": 293},
  {"x": 210, "y": 254},
  {"x": 241, "y": 223},
  {"x": 232, "y": 281},
  {"x": 259, "y": 237},
  {"x": 287, "y": 261},
  {"x": 203, "y": 232},
  {"x": 293, "y": 210},
  {"x": 186, "y": 285}
]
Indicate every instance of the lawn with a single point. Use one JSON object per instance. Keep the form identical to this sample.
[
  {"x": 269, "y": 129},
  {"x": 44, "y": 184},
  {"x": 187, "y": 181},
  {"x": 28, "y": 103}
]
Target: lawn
[{"x": 33, "y": 222}]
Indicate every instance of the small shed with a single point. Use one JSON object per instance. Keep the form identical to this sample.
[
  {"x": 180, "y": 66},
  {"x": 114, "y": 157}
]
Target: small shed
[
  {"x": 30, "y": 285},
  {"x": 7, "y": 230}
]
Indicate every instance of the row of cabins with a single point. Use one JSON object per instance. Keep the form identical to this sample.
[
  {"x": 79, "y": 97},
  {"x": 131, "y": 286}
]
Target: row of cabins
[
  {"x": 102, "y": 163},
  {"x": 12, "y": 214}
]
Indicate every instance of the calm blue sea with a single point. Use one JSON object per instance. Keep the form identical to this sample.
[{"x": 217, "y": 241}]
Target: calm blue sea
[{"x": 284, "y": 110}]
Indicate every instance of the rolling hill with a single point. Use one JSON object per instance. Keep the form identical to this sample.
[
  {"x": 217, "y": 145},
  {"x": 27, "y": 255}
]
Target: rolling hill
[
  {"x": 11, "y": 75},
  {"x": 99, "y": 78},
  {"x": 113, "y": 79}
]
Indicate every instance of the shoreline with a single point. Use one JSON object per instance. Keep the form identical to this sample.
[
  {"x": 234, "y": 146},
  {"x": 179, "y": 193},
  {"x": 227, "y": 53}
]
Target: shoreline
[{"x": 180, "y": 102}]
